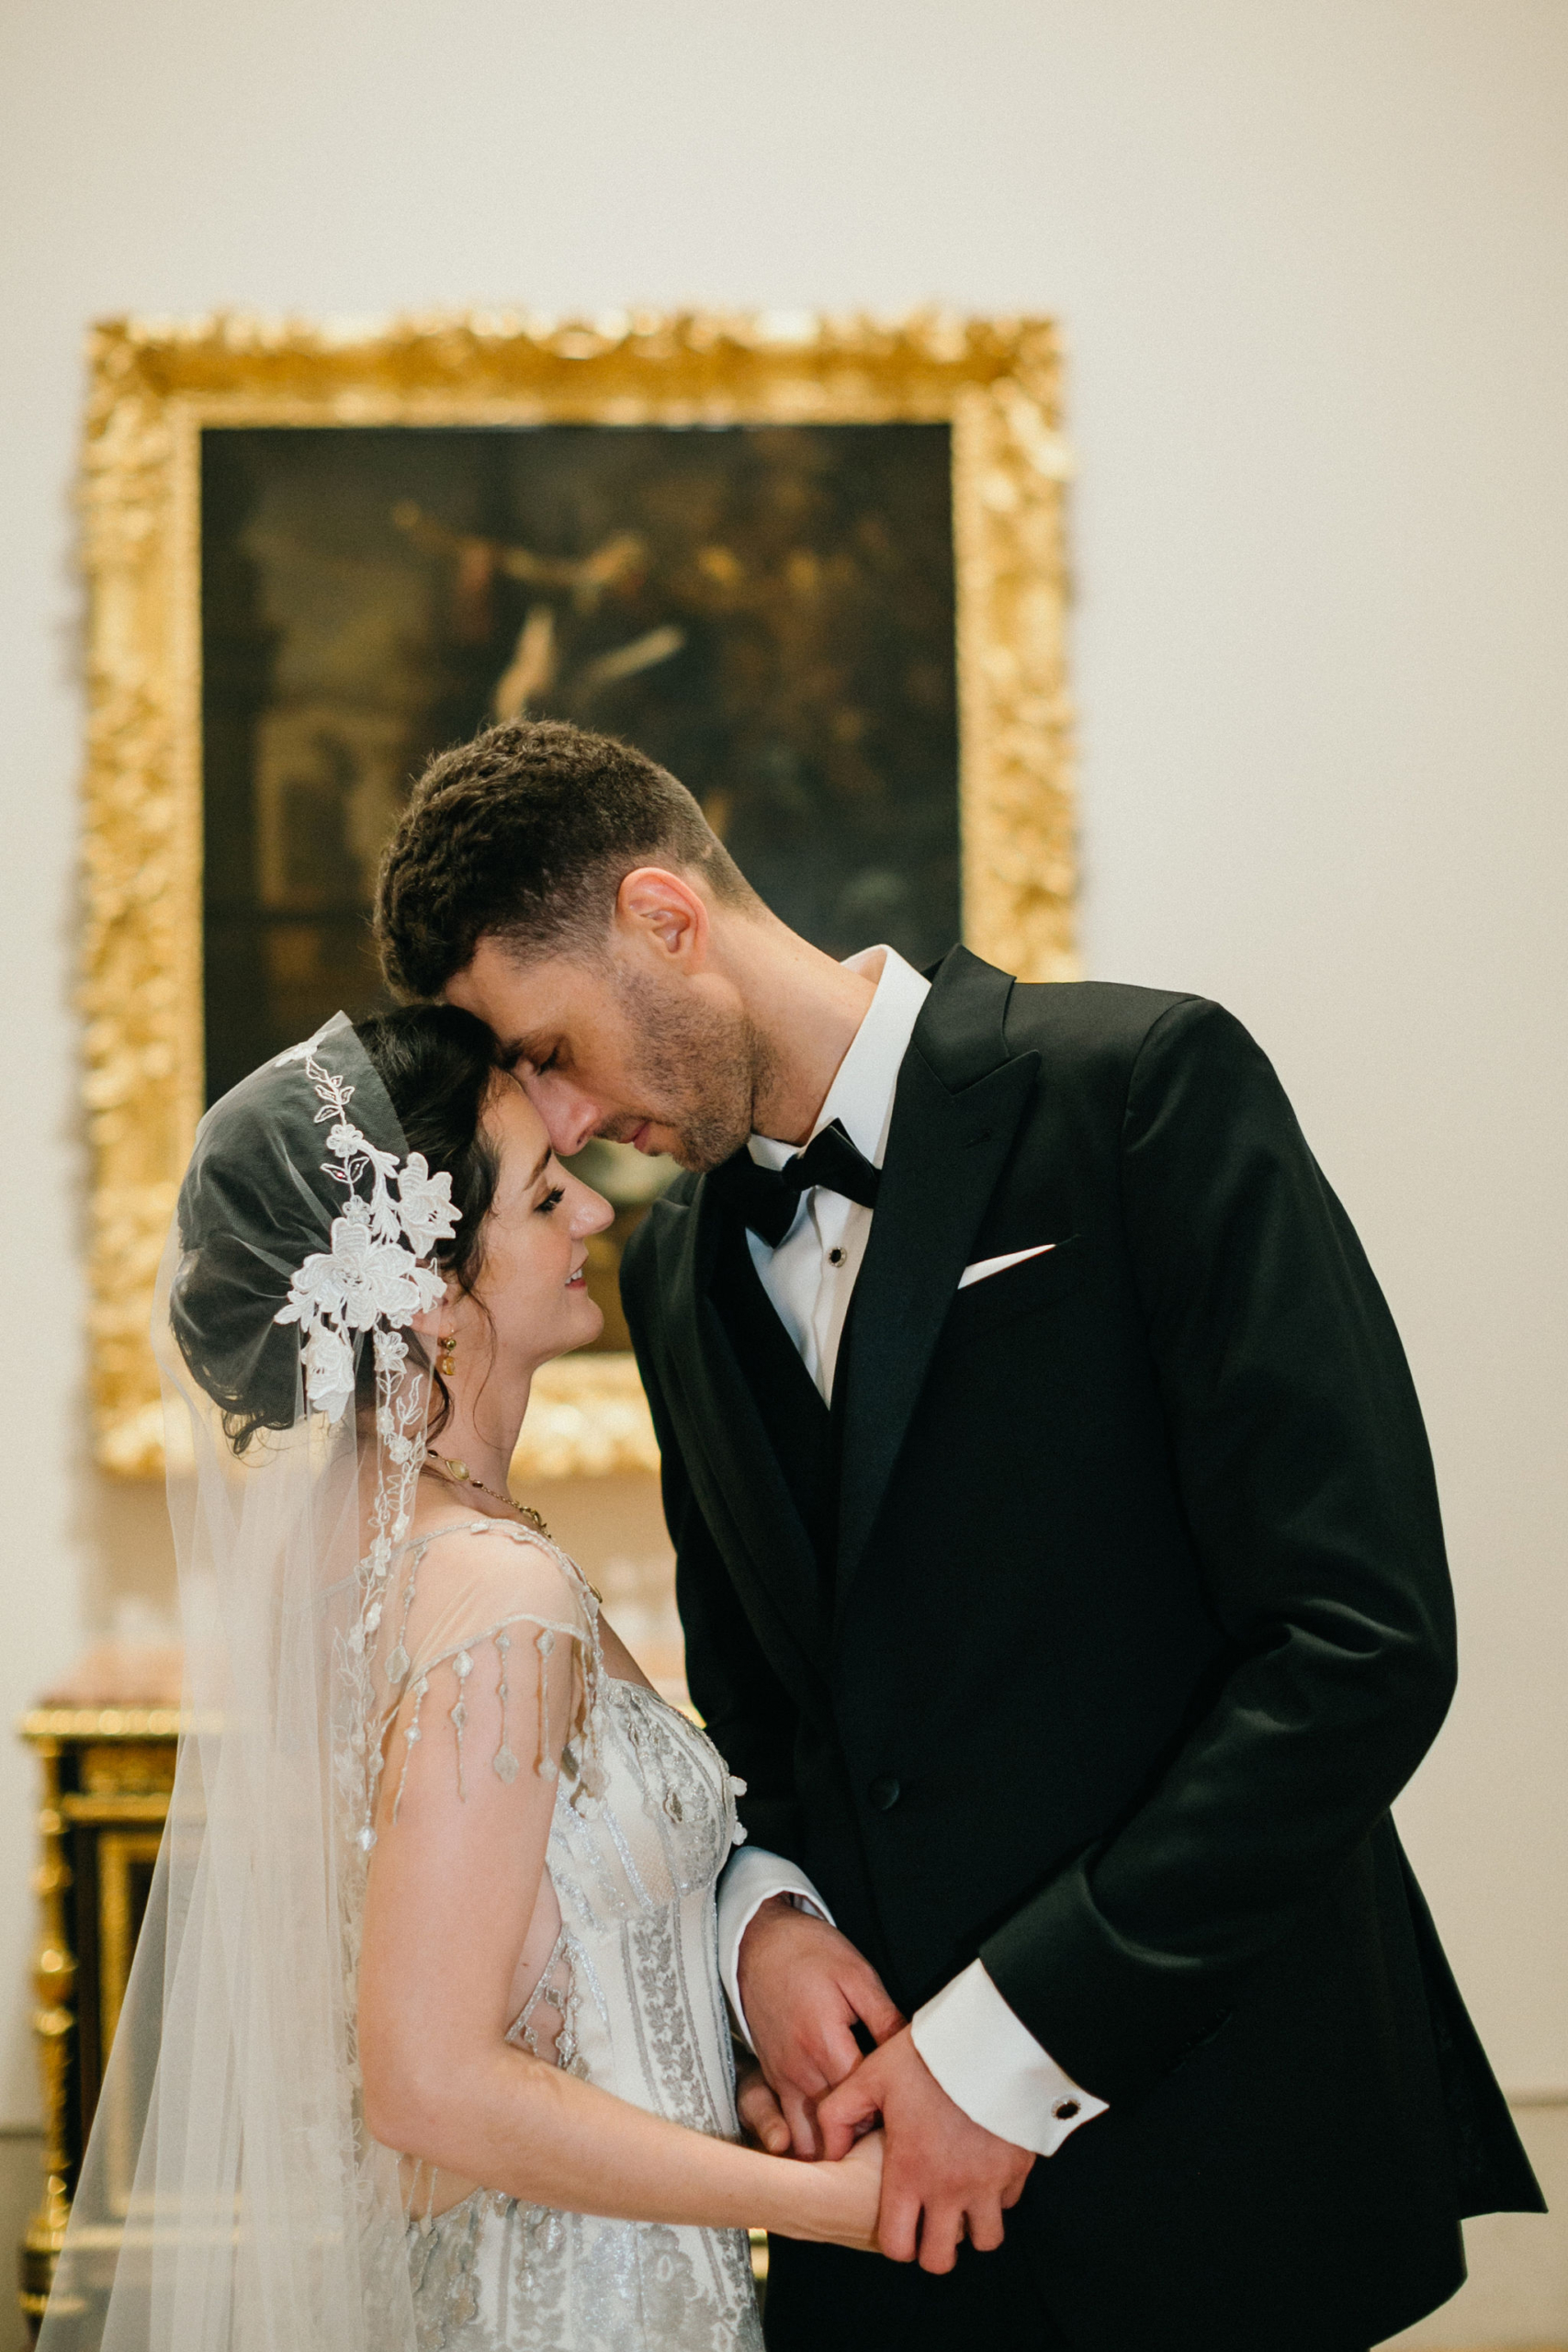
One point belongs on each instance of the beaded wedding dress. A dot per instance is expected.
(629, 1998)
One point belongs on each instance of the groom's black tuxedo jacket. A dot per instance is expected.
(1095, 1635)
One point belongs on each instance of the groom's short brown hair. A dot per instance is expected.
(526, 834)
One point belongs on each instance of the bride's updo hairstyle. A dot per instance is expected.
(437, 1065)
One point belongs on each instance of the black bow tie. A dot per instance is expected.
(767, 1198)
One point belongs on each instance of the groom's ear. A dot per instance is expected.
(665, 915)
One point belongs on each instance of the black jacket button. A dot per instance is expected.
(885, 1792)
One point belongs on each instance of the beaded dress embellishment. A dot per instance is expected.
(629, 1998)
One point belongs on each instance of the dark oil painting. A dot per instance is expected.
(767, 611)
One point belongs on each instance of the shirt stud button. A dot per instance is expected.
(1065, 2109)
(885, 1792)
(835, 1257)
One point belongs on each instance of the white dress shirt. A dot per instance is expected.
(983, 2055)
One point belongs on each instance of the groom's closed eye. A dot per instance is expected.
(521, 1050)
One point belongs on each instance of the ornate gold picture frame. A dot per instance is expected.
(156, 387)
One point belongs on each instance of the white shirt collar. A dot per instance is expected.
(863, 1086)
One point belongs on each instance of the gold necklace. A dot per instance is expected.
(457, 1474)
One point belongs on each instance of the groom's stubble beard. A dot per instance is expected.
(701, 1072)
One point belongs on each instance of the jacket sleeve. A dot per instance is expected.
(1303, 1472)
(745, 1709)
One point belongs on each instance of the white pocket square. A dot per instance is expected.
(984, 1266)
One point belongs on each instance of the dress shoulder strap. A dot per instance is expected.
(442, 1638)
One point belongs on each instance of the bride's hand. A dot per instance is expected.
(839, 2200)
(862, 2176)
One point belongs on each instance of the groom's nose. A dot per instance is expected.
(571, 1117)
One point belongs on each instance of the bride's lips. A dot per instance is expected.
(577, 1279)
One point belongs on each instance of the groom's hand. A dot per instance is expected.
(803, 1986)
(943, 2177)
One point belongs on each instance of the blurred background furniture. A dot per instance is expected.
(105, 1742)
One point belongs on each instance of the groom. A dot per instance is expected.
(1060, 1567)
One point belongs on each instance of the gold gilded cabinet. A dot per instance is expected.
(107, 1775)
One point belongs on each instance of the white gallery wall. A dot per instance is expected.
(1310, 263)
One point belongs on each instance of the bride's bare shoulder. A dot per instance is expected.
(465, 1565)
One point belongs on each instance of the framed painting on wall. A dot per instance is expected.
(814, 567)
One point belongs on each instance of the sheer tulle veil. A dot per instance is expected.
(229, 2197)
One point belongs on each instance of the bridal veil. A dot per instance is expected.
(231, 2200)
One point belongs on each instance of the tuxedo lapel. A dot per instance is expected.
(958, 1104)
(725, 1444)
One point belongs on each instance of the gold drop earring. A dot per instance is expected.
(446, 1347)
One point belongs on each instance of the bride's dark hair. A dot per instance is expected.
(437, 1065)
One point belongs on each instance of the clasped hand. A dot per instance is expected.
(804, 1986)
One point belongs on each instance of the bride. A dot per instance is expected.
(425, 2045)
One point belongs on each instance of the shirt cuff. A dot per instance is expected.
(751, 1878)
(990, 2064)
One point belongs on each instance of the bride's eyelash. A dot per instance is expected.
(552, 1199)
